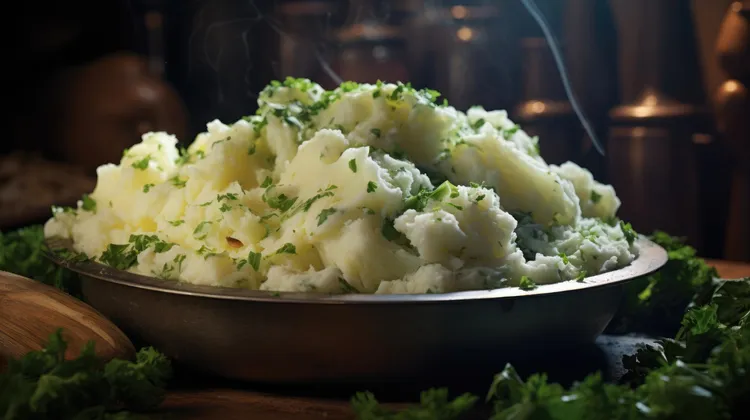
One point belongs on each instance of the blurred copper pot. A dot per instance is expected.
(104, 107)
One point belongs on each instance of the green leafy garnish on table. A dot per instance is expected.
(43, 385)
(22, 253)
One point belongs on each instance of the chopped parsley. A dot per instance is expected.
(266, 182)
(280, 202)
(595, 197)
(225, 207)
(371, 187)
(287, 248)
(142, 164)
(88, 204)
(564, 258)
(227, 196)
(201, 231)
(147, 187)
(176, 222)
(509, 132)
(526, 284)
(323, 215)
(177, 182)
(124, 256)
(478, 124)
(253, 260)
(353, 165)
(629, 232)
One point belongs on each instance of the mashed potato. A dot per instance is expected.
(363, 189)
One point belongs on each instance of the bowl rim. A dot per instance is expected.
(651, 257)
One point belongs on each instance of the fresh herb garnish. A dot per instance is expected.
(595, 197)
(88, 203)
(177, 182)
(253, 260)
(147, 187)
(323, 215)
(44, 384)
(627, 230)
(526, 284)
(371, 187)
(201, 231)
(287, 248)
(141, 164)
(353, 165)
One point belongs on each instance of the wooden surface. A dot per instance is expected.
(225, 403)
(30, 311)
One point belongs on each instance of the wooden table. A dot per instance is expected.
(230, 402)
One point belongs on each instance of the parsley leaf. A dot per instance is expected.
(142, 164)
(371, 187)
(526, 283)
(323, 215)
(88, 204)
(45, 382)
(287, 248)
(353, 165)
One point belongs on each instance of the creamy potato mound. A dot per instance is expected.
(363, 189)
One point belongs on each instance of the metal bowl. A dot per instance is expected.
(303, 338)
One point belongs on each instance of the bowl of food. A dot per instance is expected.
(363, 233)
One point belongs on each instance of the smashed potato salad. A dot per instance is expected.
(363, 189)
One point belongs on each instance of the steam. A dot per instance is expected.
(544, 26)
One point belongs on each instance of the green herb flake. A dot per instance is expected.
(177, 182)
(176, 222)
(201, 231)
(595, 197)
(353, 165)
(324, 214)
(287, 248)
(526, 284)
(88, 203)
(227, 196)
(253, 260)
(629, 232)
(147, 187)
(141, 164)
(371, 187)
(478, 124)
(267, 182)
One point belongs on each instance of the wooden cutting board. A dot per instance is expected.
(30, 311)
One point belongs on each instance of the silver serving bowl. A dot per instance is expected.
(301, 337)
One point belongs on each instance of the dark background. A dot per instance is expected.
(88, 77)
